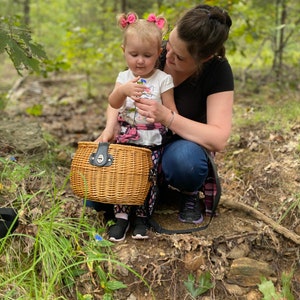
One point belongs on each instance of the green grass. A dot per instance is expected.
(273, 112)
(52, 255)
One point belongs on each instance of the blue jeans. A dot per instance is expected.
(185, 165)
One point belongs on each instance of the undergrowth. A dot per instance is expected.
(57, 256)
(51, 255)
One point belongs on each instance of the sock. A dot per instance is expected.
(121, 216)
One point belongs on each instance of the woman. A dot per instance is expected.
(195, 57)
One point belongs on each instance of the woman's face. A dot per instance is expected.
(178, 57)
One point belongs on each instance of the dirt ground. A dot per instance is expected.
(260, 175)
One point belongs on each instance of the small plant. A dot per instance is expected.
(108, 284)
(12, 174)
(203, 285)
(35, 110)
(291, 206)
(267, 288)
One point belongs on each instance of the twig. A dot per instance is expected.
(260, 216)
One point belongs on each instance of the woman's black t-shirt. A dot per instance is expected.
(191, 95)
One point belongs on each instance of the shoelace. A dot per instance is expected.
(191, 202)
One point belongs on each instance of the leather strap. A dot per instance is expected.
(101, 158)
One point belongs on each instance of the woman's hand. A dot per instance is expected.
(153, 111)
(213, 135)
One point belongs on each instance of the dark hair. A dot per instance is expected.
(204, 29)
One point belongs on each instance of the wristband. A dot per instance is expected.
(171, 119)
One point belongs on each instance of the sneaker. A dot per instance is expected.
(190, 211)
(117, 232)
(140, 229)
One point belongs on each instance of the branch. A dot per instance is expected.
(260, 216)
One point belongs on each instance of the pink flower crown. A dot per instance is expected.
(131, 18)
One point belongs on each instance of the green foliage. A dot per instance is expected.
(82, 36)
(36, 110)
(108, 283)
(198, 288)
(3, 101)
(255, 37)
(269, 292)
(52, 252)
(16, 41)
(83, 52)
(11, 175)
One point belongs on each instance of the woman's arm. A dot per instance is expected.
(213, 135)
(168, 100)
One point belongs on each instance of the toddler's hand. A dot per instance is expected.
(134, 89)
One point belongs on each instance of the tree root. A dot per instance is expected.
(260, 216)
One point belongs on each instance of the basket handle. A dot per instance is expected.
(101, 158)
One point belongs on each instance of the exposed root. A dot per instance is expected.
(260, 216)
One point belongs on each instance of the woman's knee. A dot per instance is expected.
(184, 164)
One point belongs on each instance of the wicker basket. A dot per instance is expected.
(111, 173)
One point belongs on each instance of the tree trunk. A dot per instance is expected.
(123, 6)
(281, 38)
(26, 8)
(279, 44)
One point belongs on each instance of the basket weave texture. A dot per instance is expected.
(125, 181)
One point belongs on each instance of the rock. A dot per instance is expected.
(247, 272)
(22, 137)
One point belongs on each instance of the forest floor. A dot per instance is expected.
(260, 178)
